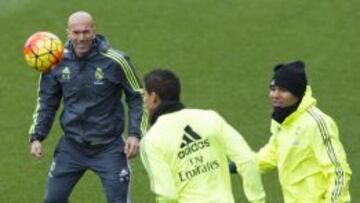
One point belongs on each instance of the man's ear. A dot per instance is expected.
(155, 98)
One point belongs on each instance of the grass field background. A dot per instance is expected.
(223, 51)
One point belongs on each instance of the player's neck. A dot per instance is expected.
(164, 108)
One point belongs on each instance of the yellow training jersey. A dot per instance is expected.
(309, 156)
(186, 156)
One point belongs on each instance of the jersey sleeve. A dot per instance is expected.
(134, 98)
(161, 181)
(48, 101)
(331, 156)
(238, 151)
(267, 156)
(133, 89)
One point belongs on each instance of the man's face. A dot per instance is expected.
(281, 97)
(151, 101)
(81, 33)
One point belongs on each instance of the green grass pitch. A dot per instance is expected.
(223, 51)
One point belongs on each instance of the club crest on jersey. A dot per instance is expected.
(66, 74)
(99, 76)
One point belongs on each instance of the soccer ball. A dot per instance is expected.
(43, 50)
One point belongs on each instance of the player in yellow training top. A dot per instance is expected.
(186, 151)
(305, 145)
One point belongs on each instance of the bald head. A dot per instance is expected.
(80, 17)
(81, 32)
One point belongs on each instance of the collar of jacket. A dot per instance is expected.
(307, 102)
(280, 113)
(164, 108)
(100, 44)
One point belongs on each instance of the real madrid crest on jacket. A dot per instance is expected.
(88, 86)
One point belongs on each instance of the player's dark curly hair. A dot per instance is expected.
(164, 83)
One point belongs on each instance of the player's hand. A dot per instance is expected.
(36, 149)
(131, 147)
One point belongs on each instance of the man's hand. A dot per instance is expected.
(131, 147)
(36, 149)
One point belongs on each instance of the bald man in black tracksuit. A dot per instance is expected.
(90, 80)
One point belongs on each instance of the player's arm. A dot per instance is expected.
(267, 156)
(240, 153)
(134, 93)
(161, 181)
(49, 97)
(134, 98)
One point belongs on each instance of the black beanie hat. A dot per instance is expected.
(291, 77)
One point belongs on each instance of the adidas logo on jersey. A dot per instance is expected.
(189, 137)
(191, 142)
